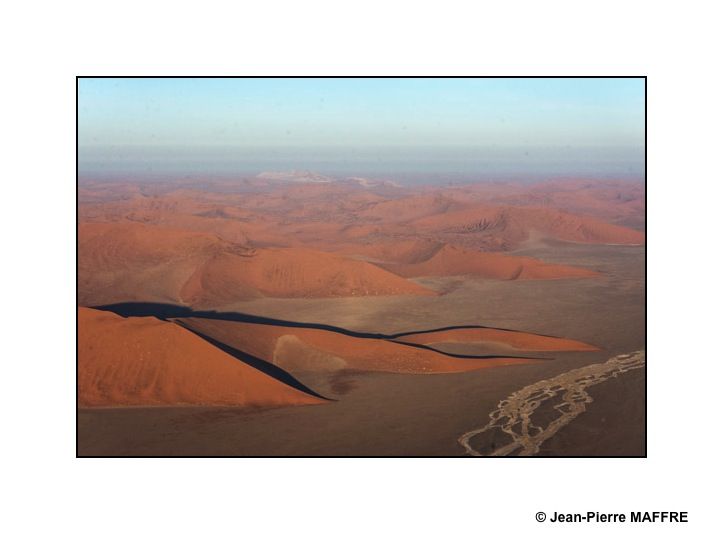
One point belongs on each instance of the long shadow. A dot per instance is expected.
(466, 356)
(172, 311)
(468, 326)
(261, 365)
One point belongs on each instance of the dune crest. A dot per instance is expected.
(323, 350)
(144, 361)
(452, 261)
(125, 261)
(523, 341)
(502, 228)
(291, 273)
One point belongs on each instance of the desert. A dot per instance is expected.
(285, 313)
(361, 266)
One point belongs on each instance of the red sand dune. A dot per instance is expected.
(212, 243)
(144, 361)
(125, 261)
(124, 242)
(309, 349)
(510, 226)
(522, 341)
(452, 261)
(409, 208)
(616, 201)
(395, 251)
(289, 273)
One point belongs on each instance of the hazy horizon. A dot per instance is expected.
(490, 128)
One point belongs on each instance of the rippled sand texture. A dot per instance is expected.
(514, 415)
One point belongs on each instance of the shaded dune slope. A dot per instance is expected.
(308, 349)
(451, 261)
(127, 261)
(309, 346)
(150, 362)
(509, 226)
(523, 341)
(290, 273)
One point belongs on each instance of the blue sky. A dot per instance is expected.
(130, 123)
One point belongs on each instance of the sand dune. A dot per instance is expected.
(310, 349)
(127, 261)
(615, 201)
(394, 251)
(522, 341)
(144, 362)
(290, 273)
(453, 261)
(125, 242)
(209, 244)
(409, 208)
(506, 227)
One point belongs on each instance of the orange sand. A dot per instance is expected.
(211, 243)
(127, 261)
(290, 273)
(518, 340)
(332, 350)
(451, 261)
(144, 361)
(514, 224)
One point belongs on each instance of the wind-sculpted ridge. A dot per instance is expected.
(514, 415)
(419, 339)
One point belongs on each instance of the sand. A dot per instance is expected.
(289, 273)
(305, 349)
(386, 414)
(454, 261)
(143, 361)
(522, 341)
(368, 256)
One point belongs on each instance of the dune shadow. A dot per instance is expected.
(176, 312)
(268, 368)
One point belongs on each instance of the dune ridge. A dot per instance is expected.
(143, 361)
(123, 261)
(321, 350)
(452, 261)
(523, 341)
(290, 273)
(212, 243)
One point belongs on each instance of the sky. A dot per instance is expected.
(488, 127)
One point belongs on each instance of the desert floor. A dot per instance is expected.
(384, 414)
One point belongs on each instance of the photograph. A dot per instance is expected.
(333, 271)
(369, 266)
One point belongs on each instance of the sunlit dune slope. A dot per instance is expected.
(506, 227)
(127, 261)
(452, 261)
(395, 251)
(126, 242)
(144, 362)
(292, 272)
(521, 341)
(409, 208)
(310, 349)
